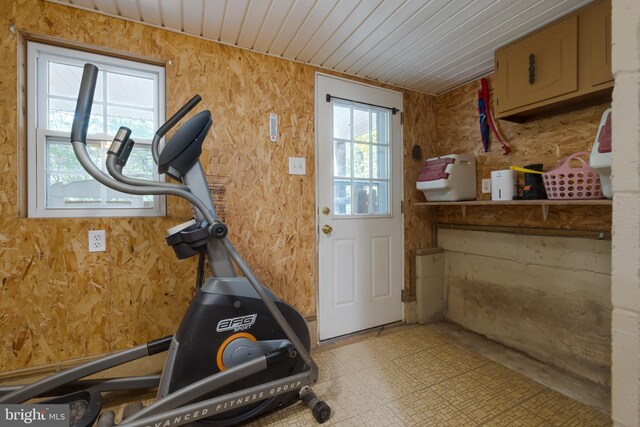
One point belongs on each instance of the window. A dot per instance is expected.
(127, 93)
(362, 160)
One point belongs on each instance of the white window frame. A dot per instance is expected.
(37, 136)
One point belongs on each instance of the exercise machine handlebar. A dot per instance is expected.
(83, 107)
(173, 120)
(79, 142)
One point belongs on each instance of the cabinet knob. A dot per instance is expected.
(532, 68)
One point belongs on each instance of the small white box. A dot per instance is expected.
(504, 185)
(448, 178)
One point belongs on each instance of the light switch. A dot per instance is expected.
(296, 166)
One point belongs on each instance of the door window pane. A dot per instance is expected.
(361, 160)
(361, 125)
(380, 123)
(341, 122)
(361, 198)
(380, 197)
(342, 159)
(342, 197)
(380, 162)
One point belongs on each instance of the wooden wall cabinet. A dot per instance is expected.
(566, 63)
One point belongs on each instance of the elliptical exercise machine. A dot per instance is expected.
(239, 351)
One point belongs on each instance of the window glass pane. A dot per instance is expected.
(140, 163)
(62, 165)
(342, 197)
(139, 121)
(64, 81)
(361, 160)
(60, 116)
(342, 159)
(341, 121)
(132, 91)
(361, 197)
(380, 198)
(69, 186)
(361, 125)
(380, 161)
(380, 122)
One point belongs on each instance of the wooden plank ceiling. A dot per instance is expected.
(429, 46)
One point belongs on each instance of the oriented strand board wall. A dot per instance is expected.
(544, 140)
(546, 296)
(57, 301)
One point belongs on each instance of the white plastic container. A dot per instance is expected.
(602, 161)
(452, 178)
(504, 185)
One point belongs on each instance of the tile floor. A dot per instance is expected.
(414, 376)
(418, 376)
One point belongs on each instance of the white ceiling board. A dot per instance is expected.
(315, 19)
(213, 18)
(150, 11)
(326, 30)
(349, 24)
(129, 9)
(455, 54)
(398, 26)
(193, 16)
(272, 25)
(470, 29)
(463, 73)
(436, 25)
(171, 13)
(106, 6)
(87, 4)
(373, 23)
(234, 21)
(291, 26)
(425, 45)
(253, 22)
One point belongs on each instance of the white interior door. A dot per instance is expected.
(359, 195)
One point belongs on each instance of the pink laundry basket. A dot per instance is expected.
(568, 182)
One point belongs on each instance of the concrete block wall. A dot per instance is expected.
(626, 214)
(430, 292)
(546, 296)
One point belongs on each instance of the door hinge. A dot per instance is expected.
(401, 206)
(401, 118)
(402, 295)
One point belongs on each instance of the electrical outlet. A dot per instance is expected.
(486, 185)
(296, 166)
(97, 241)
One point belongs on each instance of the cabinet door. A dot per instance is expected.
(600, 33)
(539, 67)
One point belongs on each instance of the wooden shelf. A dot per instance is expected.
(543, 203)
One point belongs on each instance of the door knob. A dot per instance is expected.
(327, 229)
